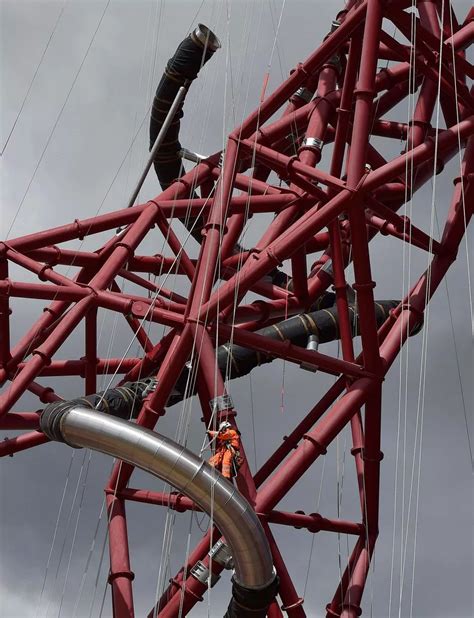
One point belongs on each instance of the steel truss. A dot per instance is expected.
(357, 198)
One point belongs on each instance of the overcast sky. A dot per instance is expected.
(88, 142)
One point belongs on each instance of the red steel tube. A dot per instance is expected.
(120, 576)
(20, 420)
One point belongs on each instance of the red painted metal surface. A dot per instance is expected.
(333, 214)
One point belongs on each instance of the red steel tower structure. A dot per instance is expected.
(338, 99)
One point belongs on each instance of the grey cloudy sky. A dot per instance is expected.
(109, 101)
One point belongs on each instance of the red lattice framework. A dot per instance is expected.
(333, 213)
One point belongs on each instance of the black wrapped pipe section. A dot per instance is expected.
(323, 324)
(192, 53)
(246, 603)
(122, 401)
(237, 361)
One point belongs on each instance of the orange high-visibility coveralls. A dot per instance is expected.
(228, 445)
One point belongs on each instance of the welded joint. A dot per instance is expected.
(41, 273)
(294, 605)
(351, 607)
(5, 287)
(7, 439)
(360, 450)
(294, 444)
(300, 69)
(362, 287)
(81, 230)
(264, 309)
(365, 93)
(44, 355)
(130, 575)
(44, 396)
(127, 247)
(92, 290)
(201, 572)
(463, 178)
(54, 261)
(313, 527)
(320, 447)
(214, 225)
(149, 411)
(274, 259)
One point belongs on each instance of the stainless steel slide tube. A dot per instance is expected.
(171, 462)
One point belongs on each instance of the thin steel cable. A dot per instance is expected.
(32, 81)
(74, 537)
(89, 559)
(58, 118)
(110, 341)
(124, 356)
(185, 571)
(406, 255)
(463, 196)
(314, 535)
(69, 519)
(423, 361)
(53, 541)
(456, 355)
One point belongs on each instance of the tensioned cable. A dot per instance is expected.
(58, 118)
(71, 511)
(314, 535)
(142, 321)
(76, 527)
(56, 526)
(139, 91)
(246, 215)
(212, 419)
(463, 198)
(38, 66)
(185, 415)
(423, 361)
(409, 170)
(115, 322)
(181, 433)
(111, 340)
(89, 559)
(275, 30)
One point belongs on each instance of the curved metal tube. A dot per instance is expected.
(171, 462)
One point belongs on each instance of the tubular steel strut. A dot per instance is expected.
(333, 214)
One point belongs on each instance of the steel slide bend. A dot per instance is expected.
(78, 426)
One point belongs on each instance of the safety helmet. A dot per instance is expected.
(224, 425)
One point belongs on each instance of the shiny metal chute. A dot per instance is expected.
(173, 463)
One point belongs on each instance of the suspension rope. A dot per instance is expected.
(38, 66)
(58, 118)
(417, 455)
(404, 351)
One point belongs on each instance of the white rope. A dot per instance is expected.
(53, 541)
(423, 361)
(404, 352)
(32, 81)
(58, 118)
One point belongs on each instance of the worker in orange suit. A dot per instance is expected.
(227, 456)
